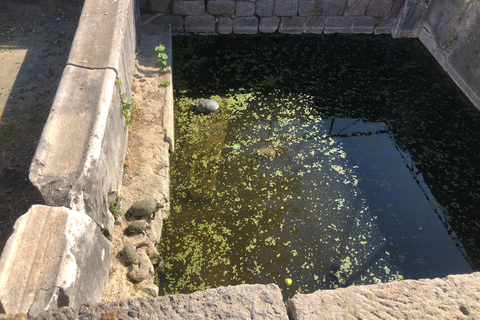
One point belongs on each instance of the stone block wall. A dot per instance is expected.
(282, 16)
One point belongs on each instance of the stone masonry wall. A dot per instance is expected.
(451, 32)
(283, 16)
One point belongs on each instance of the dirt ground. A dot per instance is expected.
(35, 40)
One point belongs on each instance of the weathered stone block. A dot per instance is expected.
(384, 26)
(225, 25)
(264, 8)
(292, 25)
(203, 23)
(247, 25)
(188, 8)
(175, 21)
(379, 8)
(406, 24)
(106, 38)
(285, 8)
(338, 25)
(315, 25)
(221, 7)
(55, 257)
(333, 7)
(364, 24)
(453, 297)
(255, 301)
(245, 9)
(161, 5)
(356, 7)
(268, 24)
(309, 8)
(79, 159)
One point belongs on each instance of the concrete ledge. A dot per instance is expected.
(453, 297)
(79, 159)
(262, 302)
(55, 257)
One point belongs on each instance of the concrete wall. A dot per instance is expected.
(450, 29)
(58, 254)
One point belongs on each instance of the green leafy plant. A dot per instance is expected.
(451, 41)
(161, 58)
(165, 83)
(127, 106)
(115, 207)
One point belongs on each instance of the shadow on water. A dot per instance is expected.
(373, 178)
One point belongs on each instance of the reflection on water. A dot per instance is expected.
(280, 183)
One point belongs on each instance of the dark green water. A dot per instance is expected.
(374, 177)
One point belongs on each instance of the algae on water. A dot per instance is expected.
(320, 165)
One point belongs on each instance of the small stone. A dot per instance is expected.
(129, 254)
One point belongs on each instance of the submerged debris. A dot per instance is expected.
(267, 152)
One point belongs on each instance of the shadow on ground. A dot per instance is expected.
(35, 40)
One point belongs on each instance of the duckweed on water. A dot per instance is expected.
(321, 165)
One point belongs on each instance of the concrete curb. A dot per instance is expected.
(260, 302)
(452, 297)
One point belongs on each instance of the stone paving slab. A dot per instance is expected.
(452, 297)
(262, 302)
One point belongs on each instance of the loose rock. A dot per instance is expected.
(142, 269)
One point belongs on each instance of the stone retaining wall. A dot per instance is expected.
(451, 32)
(58, 254)
(283, 16)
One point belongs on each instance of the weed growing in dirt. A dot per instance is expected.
(127, 106)
(165, 83)
(115, 207)
(162, 58)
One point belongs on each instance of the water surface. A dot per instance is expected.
(371, 172)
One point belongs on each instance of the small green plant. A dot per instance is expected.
(451, 41)
(115, 207)
(317, 13)
(161, 58)
(165, 83)
(127, 106)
